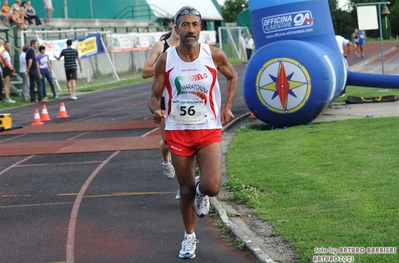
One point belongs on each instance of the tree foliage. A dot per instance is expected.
(232, 8)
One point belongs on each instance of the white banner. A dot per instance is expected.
(367, 17)
(144, 41)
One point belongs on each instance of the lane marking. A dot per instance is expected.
(117, 194)
(15, 137)
(33, 205)
(70, 253)
(53, 164)
(14, 195)
(15, 164)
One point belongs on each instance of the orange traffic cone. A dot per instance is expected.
(252, 116)
(63, 113)
(45, 116)
(36, 120)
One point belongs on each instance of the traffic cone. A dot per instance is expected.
(63, 113)
(252, 116)
(45, 116)
(36, 120)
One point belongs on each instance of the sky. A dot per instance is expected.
(340, 4)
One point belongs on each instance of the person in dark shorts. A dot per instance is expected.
(70, 56)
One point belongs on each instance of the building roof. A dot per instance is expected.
(167, 9)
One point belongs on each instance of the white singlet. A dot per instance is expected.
(192, 96)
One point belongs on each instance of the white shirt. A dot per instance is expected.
(22, 62)
(6, 57)
(48, 4)
(249, 43)
(341, 41)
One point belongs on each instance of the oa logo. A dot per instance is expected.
(283, 85)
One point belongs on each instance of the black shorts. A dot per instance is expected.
(7, 72)
(71, 74)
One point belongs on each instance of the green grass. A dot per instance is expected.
(327, 185)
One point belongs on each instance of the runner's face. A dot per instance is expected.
(189, 29)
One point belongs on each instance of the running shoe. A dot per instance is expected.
(188, 247)
(177, 197)
(201, 201)
(9, 101)
(168, 170)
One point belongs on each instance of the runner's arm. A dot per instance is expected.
(221, 62)
(149, 64)
(157, 90)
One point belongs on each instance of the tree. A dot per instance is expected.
(232, 8)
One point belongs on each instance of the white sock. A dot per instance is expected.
(197, 189)
(192, 235)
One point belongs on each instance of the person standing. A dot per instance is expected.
(70, 56)
(44, 65)
(343, 42)
(49, 9)
(249, 46)
(1, 71)
(34, 73)
(243, 52)
(194, 116)
(8, 71)
(170, 39)
(22, 73)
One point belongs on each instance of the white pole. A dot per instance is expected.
(66, 9)
(112, 64)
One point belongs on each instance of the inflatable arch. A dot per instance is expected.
(297, 69)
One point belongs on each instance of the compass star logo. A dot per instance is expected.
(283, 85)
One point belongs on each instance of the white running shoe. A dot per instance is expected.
(168, 170)
(178, 194)
(188, 247)
(9, 101)
(201, 201)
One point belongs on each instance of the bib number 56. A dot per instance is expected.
(184, 110)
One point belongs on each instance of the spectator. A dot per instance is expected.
(22, 73)
(1, 71)
(34, 73)
(341, 41)
(70, 56)
(30, 13)
(243, 52)
(21, 12)
(15, 19)
(8, 71)
(44, 65)
(6, 11)
(249, 46)
(49, 9)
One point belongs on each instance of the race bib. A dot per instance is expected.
(187, 111)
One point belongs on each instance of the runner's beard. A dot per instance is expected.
(189, 42)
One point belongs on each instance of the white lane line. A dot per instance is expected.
(70, 253)
(15, 164)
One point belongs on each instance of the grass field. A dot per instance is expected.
(327, 185)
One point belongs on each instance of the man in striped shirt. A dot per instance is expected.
(70, 55)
